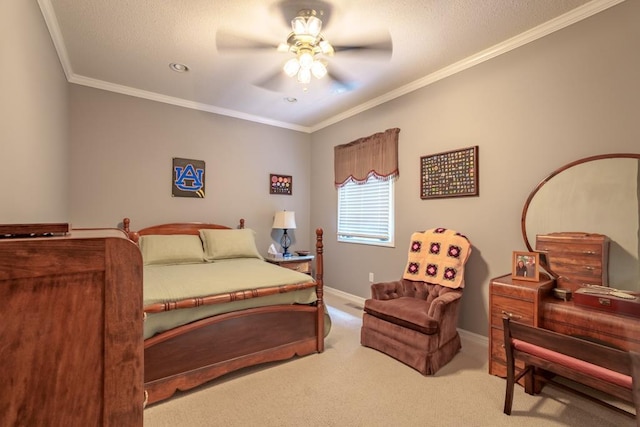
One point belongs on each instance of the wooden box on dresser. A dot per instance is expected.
(71, 348)
(521, 301)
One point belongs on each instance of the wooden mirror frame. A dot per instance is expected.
(558, 171)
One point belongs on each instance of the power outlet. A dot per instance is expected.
(371, 277)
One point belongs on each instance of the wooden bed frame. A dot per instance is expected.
(195, 353)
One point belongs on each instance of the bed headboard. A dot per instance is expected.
(173, 228)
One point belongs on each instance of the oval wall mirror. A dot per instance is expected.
(596, 194)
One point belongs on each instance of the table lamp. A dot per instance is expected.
(285, 220)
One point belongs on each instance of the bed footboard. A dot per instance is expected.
(225, 343)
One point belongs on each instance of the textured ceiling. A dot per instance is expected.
(126, 46)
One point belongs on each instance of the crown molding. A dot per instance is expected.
(563, 21)
(585, 11)
(51, 21)
(153, 96)
(58, 41)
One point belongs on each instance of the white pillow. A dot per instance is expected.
(224, 244)
(171, 249)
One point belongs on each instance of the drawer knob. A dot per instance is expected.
(588, 267)
(589, 252)
(511, 315)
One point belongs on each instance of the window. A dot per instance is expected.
(365, 212)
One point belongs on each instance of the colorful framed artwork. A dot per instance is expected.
(280, 184)
(449, 174)
(526, 266)
(188, 178)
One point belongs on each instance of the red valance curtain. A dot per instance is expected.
(375, 155)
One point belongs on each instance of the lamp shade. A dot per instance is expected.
(285, 220)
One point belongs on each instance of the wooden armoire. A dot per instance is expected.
(71, 348)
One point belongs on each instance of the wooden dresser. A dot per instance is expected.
(617, 330)
(532, 303)
(71, 346)
(582, 258)
(521, 301)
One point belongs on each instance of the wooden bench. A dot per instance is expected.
(609, 370)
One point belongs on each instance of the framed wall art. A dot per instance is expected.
(526, 266)
(188, 178)
(449, 174)
(280, 184)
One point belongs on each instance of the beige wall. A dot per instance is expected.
(572, 94)
(33, 119)
(121, 166)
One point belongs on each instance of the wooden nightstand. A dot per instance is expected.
(297, 263)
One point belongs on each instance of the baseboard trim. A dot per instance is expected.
(474, 338)
(344, 295)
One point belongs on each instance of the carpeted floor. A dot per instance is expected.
(351, 385)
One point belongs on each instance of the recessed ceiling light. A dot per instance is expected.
(178, 68)
(291, 99)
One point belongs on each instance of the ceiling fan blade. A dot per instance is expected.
(339, 83)
(381, 49)
(275, 82)
(229, 42)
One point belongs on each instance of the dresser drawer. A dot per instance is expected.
(302, 267)
(568, 251)
(526, 291)
(581, 272)
(498, 364)
(520, 310)
(301, 264)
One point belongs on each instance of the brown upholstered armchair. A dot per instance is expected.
(414, 320)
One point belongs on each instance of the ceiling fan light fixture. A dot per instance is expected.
(306, 23)
(291, 67)
(299, 25)
(306, 59)
(307, 44)
(304, 76)
(326, 48)
(314, 25)
(318, 69)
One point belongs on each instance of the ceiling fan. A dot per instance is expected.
(309, 50)
(308, 45)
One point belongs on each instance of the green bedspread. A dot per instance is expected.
(167, 283)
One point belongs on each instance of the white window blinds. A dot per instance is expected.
(365, 212)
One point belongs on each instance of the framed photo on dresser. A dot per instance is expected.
(526, 266)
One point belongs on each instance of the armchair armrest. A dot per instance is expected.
(442, 304)
(387, 290)
(445, 310)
